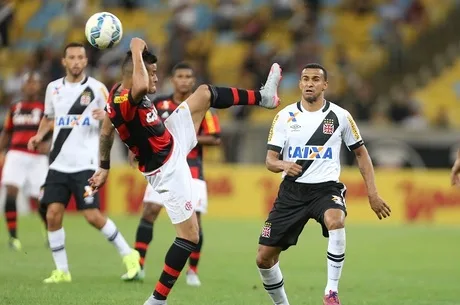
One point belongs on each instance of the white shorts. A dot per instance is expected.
(151, 196)
(173, 180)
(26, 171)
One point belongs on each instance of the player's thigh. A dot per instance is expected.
(199, 103)
(284, 224)
(201, 191)
(14, 171)
(55, 189)
(329, 209)
(37, 175)
(152, 204)
(181, 126)
(80, 190)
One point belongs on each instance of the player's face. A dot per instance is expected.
(312, 84)
(153, 79)
(183, 81)
(31, 87)
(75, 61)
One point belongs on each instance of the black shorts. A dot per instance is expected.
(60, 186)
(295, 205)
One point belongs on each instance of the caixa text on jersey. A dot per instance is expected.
(310, 152)
(70, 121)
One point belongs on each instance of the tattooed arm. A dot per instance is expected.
(105, 146)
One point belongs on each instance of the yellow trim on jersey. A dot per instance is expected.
(210, 122)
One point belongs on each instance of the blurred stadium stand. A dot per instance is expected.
(372, 50)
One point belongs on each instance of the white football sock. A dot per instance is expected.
(335, 259)
(274, 284)
(56, 241)
(110, 231)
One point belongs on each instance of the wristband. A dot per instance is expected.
(105, 164)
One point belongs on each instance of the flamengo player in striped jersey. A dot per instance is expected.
(73, 109)
(308, 135)
(183, 81)
(23, 170)
(162, 148)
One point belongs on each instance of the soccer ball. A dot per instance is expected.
(103, 30)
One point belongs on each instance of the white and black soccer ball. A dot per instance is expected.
(103, 30)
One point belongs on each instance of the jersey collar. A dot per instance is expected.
(81, 83)
(325, 107)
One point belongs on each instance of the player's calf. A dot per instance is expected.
(270, 273)
(334, 220)
(207, 96)
(11, 216)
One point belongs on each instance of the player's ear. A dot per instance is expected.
(63, 63)
(300, 85)
(325, 85)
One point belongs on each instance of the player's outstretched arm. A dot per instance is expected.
(140, 75)
(455, 174)
(381, 209)
(105, 146)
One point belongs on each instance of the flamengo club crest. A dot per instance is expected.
(328, 126)
(266, 230)
(85, 98)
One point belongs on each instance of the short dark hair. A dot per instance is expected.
(316, 66)
(72, 45)
(148, 58)
(181, 65)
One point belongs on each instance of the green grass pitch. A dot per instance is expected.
(407, 265)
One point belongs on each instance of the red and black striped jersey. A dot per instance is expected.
(209, 126)
(140, 128)
(22, 122)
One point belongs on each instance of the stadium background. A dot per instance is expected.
(394, 64)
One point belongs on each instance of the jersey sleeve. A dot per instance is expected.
(277, 135)
(210, 124)
(350, 134)
(122, 102)
(8, 124)
(49, 107)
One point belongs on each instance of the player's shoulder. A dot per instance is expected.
(56, 83)
(338, 110)
(291, 108)
(91, 81)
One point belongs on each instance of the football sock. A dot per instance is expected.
(175, 260)
(225, 97)
(144, 236)
(195, 255)
(335, 259)
(57, 240)
(274, 284)
(110, 231)
(11, 215)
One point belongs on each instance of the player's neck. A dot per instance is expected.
(313, 106)
(73, 79)
(180, 97)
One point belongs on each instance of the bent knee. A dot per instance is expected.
(266, 259)
(203, 91)
(151, 211)
(335, 223)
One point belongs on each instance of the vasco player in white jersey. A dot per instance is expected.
(308, 135)
(162, 148)
(73, 109)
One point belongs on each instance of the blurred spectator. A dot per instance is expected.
(226, 13)
(416, 15)
(282, 9)
(6, 18)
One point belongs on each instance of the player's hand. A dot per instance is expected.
(98, 114)
(137, 44)
(380, 208)
(33, 142)
(455, 174)
(292, 169)
(98, 179)
(132, 159)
